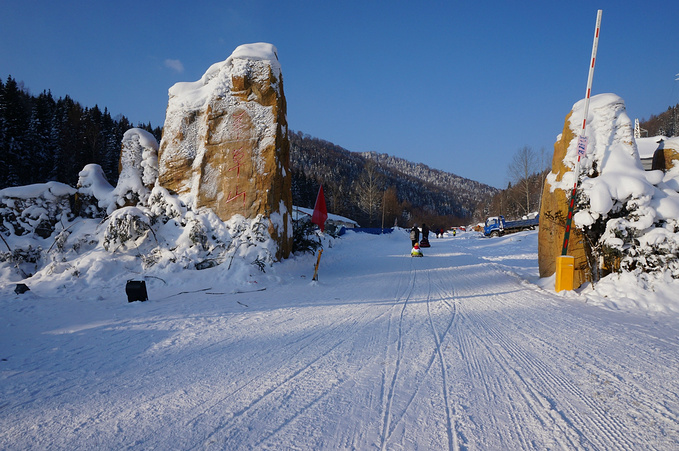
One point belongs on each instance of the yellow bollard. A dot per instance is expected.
(565, 269)
(318, 261)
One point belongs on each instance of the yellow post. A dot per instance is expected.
(565, 269)
(318, 261)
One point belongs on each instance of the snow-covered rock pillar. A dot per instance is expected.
(138, 168)
(611, 148)
(225, 142)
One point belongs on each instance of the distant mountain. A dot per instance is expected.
(468, 192)
(421, 193)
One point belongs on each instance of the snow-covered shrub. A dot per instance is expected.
(125, 226)
(655, 251)
(60, 241)
(251, 238)
(305, 237)
(139, 168)
(637, 229)
(164, 206)
(24, 260)
(197, 234)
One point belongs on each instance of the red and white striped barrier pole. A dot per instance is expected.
(582, 139)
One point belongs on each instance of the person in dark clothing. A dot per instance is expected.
(425, 232)
(414, 235)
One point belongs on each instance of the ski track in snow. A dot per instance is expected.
(450, 351)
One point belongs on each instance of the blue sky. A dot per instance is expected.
(459, 86)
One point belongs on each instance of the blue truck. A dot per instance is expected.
(497, 226)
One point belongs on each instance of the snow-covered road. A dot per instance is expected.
(460, 349)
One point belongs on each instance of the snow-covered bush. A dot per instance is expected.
(168, 233)
(633, 226)
(165, 206)
(125, 226)
(252, 238)
(25, 261)
(655, 251)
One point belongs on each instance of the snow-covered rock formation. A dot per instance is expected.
(138, 175)
(218, 192)
(626, 218)
(138, 166)
(225, 143)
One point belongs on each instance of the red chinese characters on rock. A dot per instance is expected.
(240, 126)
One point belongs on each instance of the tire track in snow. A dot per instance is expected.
(442, 296)
(475, 368)
(158, 398)
(501, 382)
(481, 354)
(450, 426)
(596, 366)
(388, 388)
(236, 418)
(534, 381)
(317, 340)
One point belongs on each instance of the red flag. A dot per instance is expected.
(320, 210)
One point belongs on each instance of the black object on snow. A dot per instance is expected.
(21, 288)
(136, 291)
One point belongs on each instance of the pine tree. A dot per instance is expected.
(3, 137)
(39, 146)
(16, 112)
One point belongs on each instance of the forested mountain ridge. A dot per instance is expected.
(468, 192)
(377, 189)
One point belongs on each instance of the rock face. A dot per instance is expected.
(610, 148)
(225, 142)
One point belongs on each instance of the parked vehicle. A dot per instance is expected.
(497, 226)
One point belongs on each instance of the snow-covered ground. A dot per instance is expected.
(462, 349)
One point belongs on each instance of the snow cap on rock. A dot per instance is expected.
(196, 94)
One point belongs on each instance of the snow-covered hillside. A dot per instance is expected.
(462, 349)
